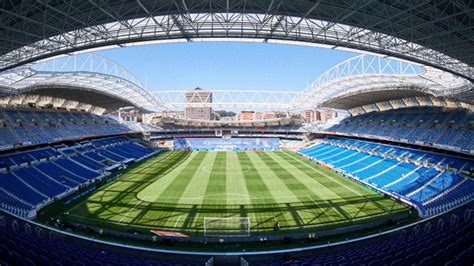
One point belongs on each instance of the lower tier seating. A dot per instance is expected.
(30, 179)
(423, 178)
(19, 246)
(447, 240)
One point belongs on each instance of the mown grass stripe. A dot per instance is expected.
(268, 198)
(124, 190)
(282, 194)
(307, 198)
(170, 187)
(186, 188)
(346, 205)
(215, 193)
(236, 187)
(376, 203)
(258, 190)
(122, 193)
(196, 189)
(140, 209)
(262, 212)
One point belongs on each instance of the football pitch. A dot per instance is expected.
(231, 193)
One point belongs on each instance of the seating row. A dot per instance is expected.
(414, 175)
(30, 179)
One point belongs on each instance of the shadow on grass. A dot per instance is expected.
(121, 209)
(339, 211)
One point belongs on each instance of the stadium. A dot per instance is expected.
(371, 164)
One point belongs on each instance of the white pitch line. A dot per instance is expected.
(113, 222)
(228, 195)
(125, 216)
(342, 185)
(324, 211)
(176, 224)
(334, 179)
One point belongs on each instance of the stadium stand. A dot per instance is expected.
(31, 179)
(33, 126)
(226, 144)
(426, 125)
(22, 243)
(431, 181)
(20, 190)
(170, 131)
(409, 91)
(446, 240)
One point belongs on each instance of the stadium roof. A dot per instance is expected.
(368, 79)
(360, 80)
(434, 33)
(87, 78)
(436, 36)
(78, 94)
(359, 98)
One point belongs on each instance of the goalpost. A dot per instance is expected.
(227, 226)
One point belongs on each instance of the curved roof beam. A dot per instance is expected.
(437, 34)
(235, 99)
(367, 72)
(88, 71)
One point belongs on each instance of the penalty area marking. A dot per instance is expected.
(125, 216)
(121, 223)
(156, 199)
(176, 224)
(342, 185)
(324, 210)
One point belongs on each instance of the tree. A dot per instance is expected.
(224, 113)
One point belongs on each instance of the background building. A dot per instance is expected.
(327, 115)
(311, 116)
(128, 114)
(172, 114)
(246, 115)
(195, 97)
(249, 115)
(314, 116)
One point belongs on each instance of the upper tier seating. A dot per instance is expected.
(31, 178)
(434, 125)
(38, 127)
(434, 182)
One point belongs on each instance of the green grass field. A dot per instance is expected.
(179, 191)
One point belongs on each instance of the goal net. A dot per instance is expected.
(226, 226)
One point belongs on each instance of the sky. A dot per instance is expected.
(227, 65)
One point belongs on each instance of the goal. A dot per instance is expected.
(227, 226)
